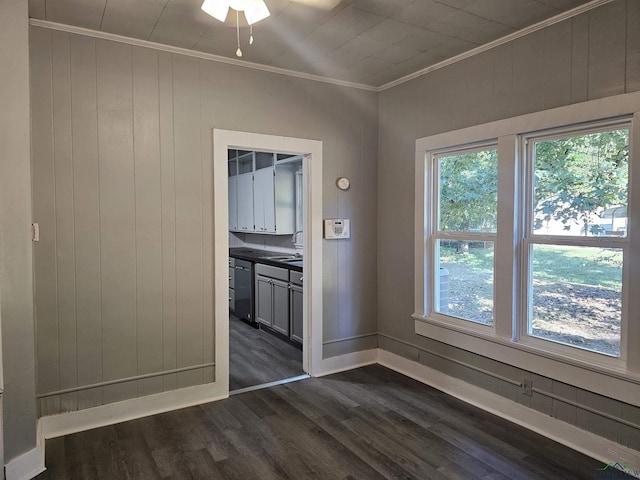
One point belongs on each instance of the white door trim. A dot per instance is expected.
(312, 296)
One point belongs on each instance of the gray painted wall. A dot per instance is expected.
(122, 192)
(16, 286)
(594, 55)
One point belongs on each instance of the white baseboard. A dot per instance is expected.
(66, 423)
(585, 442)
(27, 465)
(345, 362)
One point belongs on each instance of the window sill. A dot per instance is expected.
(611, 381)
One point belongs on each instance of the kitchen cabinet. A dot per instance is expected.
(274, 200)
(295, 307)
(233, 189)
(262, 192)
(244, 196)
(232, 284)
(264, 211)
(272, 297)
(233, 203)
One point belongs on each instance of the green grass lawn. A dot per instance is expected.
(575, 293)
(582, 265)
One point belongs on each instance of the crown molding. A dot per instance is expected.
(194, 53)
(500, 41)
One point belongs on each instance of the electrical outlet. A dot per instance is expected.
(527, 387)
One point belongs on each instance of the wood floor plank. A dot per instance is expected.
(368, 423)
(257, 357)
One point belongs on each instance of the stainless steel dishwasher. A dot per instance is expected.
(244, 290)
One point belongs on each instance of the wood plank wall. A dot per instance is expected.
(593, 55)
(123, 268)
(122, 189)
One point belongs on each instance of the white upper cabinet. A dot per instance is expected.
(245, 202)
(264, 211)
(233, 191)
(264, 193)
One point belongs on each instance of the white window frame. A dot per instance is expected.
(618, 378)
(529, 239)
(434, 234)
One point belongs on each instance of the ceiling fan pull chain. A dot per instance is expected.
(238, 51)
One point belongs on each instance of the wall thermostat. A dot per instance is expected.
(336, 228)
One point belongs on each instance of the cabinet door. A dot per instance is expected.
(233, 203)
(245, 202)
(264, 300)
(296, 313)
(264, 200)
(280, 306)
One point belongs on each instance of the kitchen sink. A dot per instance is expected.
(284, 258)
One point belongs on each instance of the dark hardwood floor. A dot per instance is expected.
(369, 423)
(257, 357)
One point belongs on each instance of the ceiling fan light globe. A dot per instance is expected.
(218, 9)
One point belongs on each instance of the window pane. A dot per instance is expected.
(580, 185)
(464, 280)
(468, 191)
(576, 296)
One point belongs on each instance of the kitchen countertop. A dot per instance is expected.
(258, 256)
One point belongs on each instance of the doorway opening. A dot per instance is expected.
(266, 280)
(299, 161)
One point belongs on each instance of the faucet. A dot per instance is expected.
(294, 237)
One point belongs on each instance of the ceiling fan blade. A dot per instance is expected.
(320, 4)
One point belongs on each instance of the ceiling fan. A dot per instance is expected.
(254, 11)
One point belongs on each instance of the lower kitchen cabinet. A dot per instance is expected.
(295, 307)
(278, 300)
(272, 297)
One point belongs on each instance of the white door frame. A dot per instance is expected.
(312, 204)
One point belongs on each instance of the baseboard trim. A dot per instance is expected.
(330, 365)
(66, 423)
(27, 465)
(580, 440)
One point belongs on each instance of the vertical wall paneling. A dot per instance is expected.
(633, 46)
(138, 206)
(579, 58)
(64, 215)
(117, 217)
(43, 185)
(502, 78)
(188, 191)
(206, 155)
(528, 65)
(86, 197)
(168, 219)
(146, 142)
(607, 50)
(593, 55)
(18, 356)
(556, 66)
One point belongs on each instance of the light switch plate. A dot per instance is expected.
(337, 228)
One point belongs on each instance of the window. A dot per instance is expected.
(462, 244)
(576, 236)
(529, 233)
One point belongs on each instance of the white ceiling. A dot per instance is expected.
(371, 42)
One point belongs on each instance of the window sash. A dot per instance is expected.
(434, 235)
(530, 239)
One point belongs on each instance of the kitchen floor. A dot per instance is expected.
(257, 357)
